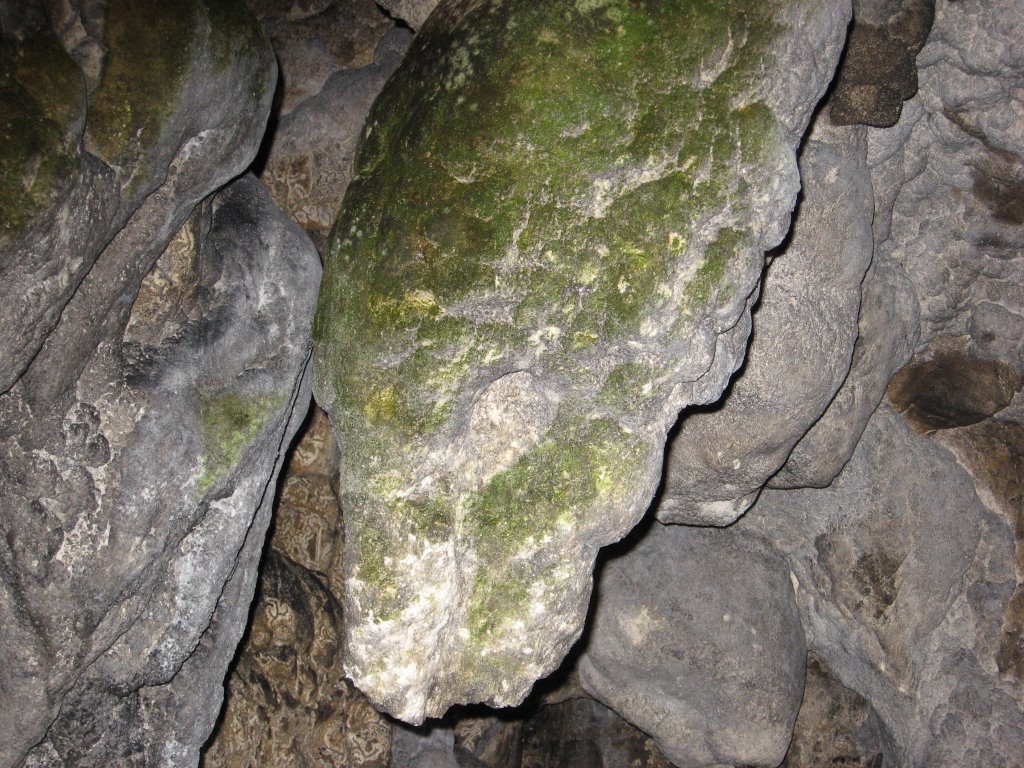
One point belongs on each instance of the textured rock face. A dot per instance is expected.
(315, 39)
(696, 639)
(146, 406)
(804, 332)
(412, 12)
(835, 725)
(585, 199)
(309, 164)
(902, 579)
(288, 702)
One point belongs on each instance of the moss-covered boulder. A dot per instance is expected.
(551, 246)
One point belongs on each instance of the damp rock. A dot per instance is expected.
(550, 247)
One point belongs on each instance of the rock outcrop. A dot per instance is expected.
(525, 285)
(696, 639)
(156, 340)
(805, 327)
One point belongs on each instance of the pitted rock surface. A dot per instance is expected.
(525, 285)
(904, 580)
(288, 702)
(146, 406)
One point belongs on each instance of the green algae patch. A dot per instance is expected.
(558, 192)
(235, 34)
(229, 423)
(720, 252)
(150, 44)
(41, 96)
(579, 465)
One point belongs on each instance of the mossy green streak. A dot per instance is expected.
(558, 175)
(150, 46)
(41, 94)
(230, 422)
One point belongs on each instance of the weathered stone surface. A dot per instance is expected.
(314, 39)
(309, 161)
(991, 452)
(136, 501)
(157, 117)
(950, 389)
(835, 725)
(288, 702)
(887, 332)
(950, 179)
(584, 205)
(307, 519)
(107, 586)
(495, 741)
(800, 352)
(696, 639)
(947, 231)
(902, 577)
(431, 746)
(583, 733)
(412, 12)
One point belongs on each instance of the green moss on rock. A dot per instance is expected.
(545, 188)
(230, 422)
(41, 96)
(150, 44)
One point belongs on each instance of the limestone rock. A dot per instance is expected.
(125, 458)
(902, 578)
(800, 353)
(878, 72)
(314, 39)
(306, 526)
(583, 733)
(131, 172)
(288, 702)
(431, 746)
(696, 639)
(137, 464)
(494, 741)
(309, 161)
(584, 200)
(947, 181)
(887, 331)
(412, 12)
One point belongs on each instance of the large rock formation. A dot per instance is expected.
(550, 247)
(684, 645)
(155, 343)
(805, 327)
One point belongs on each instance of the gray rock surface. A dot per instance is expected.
(503, 346)
(146, 408)
(309, 160)
(89, 204)
(902, 575)
(947, 181)
(136, 503)
(412, 12)
(696, 639)
(800, 352)
(583, 733)
(835, 726)
(314, 39)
